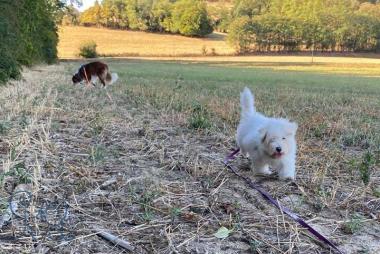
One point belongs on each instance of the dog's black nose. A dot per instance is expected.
(278, 149)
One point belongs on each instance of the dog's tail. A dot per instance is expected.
(247, 103)
(111, 78)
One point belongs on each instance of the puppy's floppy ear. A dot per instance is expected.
(291, 128)
(263, 134)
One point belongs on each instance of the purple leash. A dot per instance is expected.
(274, 202)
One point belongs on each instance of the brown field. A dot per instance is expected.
(165, 47)
(134, 43)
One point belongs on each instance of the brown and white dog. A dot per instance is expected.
(92, 71)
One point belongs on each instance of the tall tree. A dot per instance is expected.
(190, 18)
(250, 8)
(162, 13)
(92, 16)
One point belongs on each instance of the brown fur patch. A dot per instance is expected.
(97, 68)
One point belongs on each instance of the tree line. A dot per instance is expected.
(186, 17)
(294, 25)
(252, 25)
(28, 34)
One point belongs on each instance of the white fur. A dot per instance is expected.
(94, 79)
(259, 136)
(114, 78)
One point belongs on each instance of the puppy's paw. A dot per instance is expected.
(285, 177)
(263, 172)
(287, 173)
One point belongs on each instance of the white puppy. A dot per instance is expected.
(268, 142)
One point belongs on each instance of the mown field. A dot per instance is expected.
(146, 163)
(134, 43)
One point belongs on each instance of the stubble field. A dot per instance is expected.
(146, 165)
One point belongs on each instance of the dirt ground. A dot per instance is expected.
(74, 162)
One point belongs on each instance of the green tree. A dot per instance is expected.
(162, 13)
(241, 34)
(139, 14)
(106, 13)
(190, 18)
(119, 14)
(222, 18)
(92, 16)
(373, 11)
(344, 25)
(9, 66)
(250, 8)
(28, 34)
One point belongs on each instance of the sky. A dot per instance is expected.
(87, 4)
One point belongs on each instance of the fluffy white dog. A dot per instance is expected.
(268, 142)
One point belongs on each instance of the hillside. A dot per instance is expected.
(134, 43)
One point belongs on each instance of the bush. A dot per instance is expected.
(88, 49)
(28, 35)
(9, 68)
(9, 49)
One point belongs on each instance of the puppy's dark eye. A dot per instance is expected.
(283, 138)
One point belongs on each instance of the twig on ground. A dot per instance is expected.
(115, 240)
